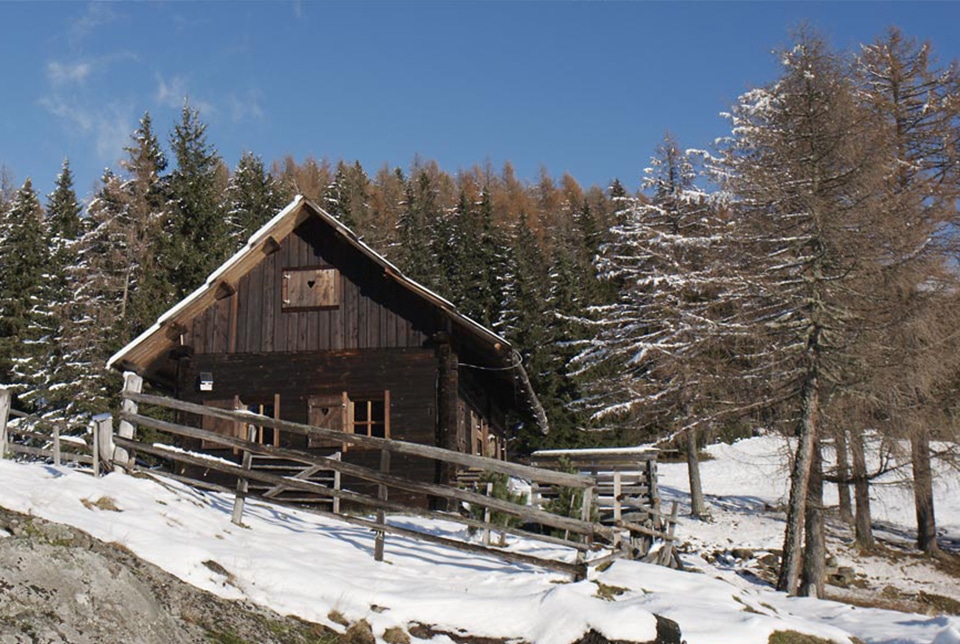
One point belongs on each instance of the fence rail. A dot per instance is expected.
(38, 437)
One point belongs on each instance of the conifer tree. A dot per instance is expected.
(143, 214)
(104, 277)
(916, 103)
(808, 255)
(58, 302)
(417, 227)
(24, 257)
(196, 239)
(253, 197)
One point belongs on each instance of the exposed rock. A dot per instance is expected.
(60, 585)
(668, 632)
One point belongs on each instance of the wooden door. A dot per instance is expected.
(329, 412)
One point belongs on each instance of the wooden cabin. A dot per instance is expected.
(306, 323)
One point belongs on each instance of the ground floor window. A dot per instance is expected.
(370, 416)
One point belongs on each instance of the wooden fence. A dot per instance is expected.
(34, 436)
(628, 495)
(584, 539)
(578, 535)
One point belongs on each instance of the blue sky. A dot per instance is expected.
(582, 87)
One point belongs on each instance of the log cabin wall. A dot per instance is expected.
(377, 339)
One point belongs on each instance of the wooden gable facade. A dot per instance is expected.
(308, 324)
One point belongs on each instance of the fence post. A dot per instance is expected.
(486, 516)
(382, 496)
(586, 515)
(4, 415)
(56, 445)
(336, 485)
(103, 441)
(242, 483)
(617, 504)
(132, 383)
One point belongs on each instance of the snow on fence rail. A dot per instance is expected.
(34, 436)
(578, 535)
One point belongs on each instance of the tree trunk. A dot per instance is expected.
(843, 475)
(815, 548)
(799, 484)
(923, 490)
(697, 506)
(863, 523)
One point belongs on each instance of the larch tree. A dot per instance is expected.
(917, 105)
(804, 166)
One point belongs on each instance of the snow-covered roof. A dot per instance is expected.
(281, 225)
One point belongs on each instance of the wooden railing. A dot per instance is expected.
(628, 496)
(580, 534)
(36, 437)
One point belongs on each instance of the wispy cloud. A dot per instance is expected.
(96, 15)
(59, 73)
(108, 125)
(245, 107)
(171, 91)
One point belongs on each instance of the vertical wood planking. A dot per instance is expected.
(255, 312)
(336, 319)
(291, 259)
(279, 322)
(243, 294)
(271, 301)
(196, 334)
(350, 329)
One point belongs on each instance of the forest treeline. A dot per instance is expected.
(799, 277)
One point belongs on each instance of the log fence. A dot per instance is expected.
(607, 525)
(583, 538)
(31, 435)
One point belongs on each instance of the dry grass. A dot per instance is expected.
(103, 503)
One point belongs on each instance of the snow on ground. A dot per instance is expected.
(299, 563)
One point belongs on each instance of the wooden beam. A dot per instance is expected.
(224, 290)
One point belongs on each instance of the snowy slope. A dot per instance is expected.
(301, 564)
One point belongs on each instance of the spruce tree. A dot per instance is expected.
(253, 197)
(103, 278)
(63, 218)
(23, 321)
(196, 237)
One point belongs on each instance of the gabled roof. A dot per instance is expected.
(157, 340)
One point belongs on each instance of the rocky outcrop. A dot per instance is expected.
(58, 584)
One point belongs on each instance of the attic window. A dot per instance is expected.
(305, 289)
